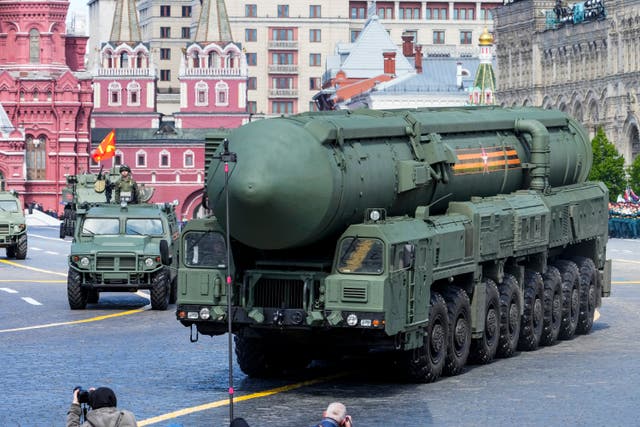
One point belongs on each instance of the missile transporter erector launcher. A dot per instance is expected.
(443, 235)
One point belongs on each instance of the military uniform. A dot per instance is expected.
(126, 187)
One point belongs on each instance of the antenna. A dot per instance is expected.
(228, 157)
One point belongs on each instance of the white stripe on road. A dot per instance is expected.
(9, 290)
(49, 238)
(34, 249)
(31, 301)
(51, 253)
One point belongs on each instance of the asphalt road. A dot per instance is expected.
(146, 357)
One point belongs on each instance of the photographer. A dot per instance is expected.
(103, 413)
(335, 416)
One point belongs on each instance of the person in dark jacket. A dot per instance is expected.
(103, 413)
(335, 416)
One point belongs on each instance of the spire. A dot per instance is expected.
(213, 24)
(484, 85)
(125, 26)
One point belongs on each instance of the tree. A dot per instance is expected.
(608, 165)
(634, 174)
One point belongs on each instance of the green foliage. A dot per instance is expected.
(634, 174)
(608, 165)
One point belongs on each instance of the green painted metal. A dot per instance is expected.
(13, 223)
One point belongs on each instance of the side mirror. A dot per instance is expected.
(165, 257)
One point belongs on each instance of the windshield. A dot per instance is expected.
(9, 205)
(100, 226)
(205, 249)
(144, 226)
(361, 256)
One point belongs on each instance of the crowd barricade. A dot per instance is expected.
(624, 220)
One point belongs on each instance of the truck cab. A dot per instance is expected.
(13, 225)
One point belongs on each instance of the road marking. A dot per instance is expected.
(31, 301)
(49, 238)
(625, 282)
(15, 264)
(34, 249)
(76, 322)
(30, 281)
(51, 253)
(219, 403)
(630, 261)
(9, 290)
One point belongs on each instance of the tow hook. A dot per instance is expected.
(278, 317)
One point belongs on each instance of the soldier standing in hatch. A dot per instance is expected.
(127, 186)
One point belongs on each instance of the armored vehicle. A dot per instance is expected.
(116, 248)
(444, 236)
(90, 188)
(13, 225)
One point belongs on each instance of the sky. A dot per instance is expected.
(79, 6)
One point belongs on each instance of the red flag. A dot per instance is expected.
(106, 149)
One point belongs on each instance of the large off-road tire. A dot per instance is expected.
(11, 251)
(262, 358)
(76, 294)
(93, 296)
(426, 363)
(459, 342)
(588, 294)
(570, 298)
(533, 311)
(160, 290)
(483, 349)
(552, 306)
(21, 247)
(173, 293)
(509, 316)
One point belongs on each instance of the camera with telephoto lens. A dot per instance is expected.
(83, 395)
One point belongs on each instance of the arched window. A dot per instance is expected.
(222, 94)
(34, 46)
(124, 60)
(202, 94)
(139, 60)
(35, 157)
(214, 60)
(114, 94)
(133, 91)
(196, 60)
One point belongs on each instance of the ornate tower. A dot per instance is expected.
(484, 85)
(46, 94)
(125, 79)
(213, 74)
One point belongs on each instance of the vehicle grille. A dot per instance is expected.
(4, 228)
(279, 293)
(116, 263)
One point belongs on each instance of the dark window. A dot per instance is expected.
(252, 107)
(251, 10)
(186, 32)
(354, 35)
(165, 10)
(165, 53)
(165, 32)
(409, 10)
(250, 34)
(486, 12)
(283, 11)
(385, 11)
(282, 58)
(437, 11)
(314, 11)
(282, 34)
(438, 37)
(141, 159)
(464, 12)
(358, 9)
(282, 107)
(164, 160)
(313, 106)
(252, 59)
(186, 11)
(252, 83)
(314, 83)
(165, 75)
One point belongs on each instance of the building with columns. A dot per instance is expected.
(589, 69)
(46, 98)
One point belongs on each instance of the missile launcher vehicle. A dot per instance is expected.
(443, 236)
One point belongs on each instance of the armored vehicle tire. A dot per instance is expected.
(570, 298)
(21, 247)
(262, 358)
(552, 306)
(509, 316)
(160, 290)
(459, 342)
(173, 294)
(588, 288)
(75, 293)
(483, 349)
(11, 251)
(93, 296)
(533, 311)
(426, 363)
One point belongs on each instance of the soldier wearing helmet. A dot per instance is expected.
(126, 187)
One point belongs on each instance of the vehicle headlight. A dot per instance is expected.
(352, 320)
(17, 228)
(204, 313)
(148, 262)
(84, 261)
